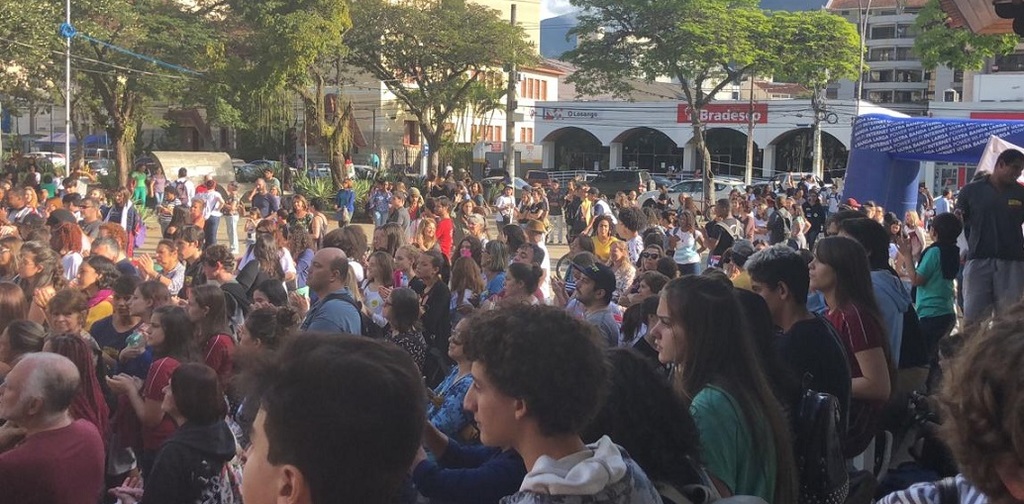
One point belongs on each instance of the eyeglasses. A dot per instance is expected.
(650, 255)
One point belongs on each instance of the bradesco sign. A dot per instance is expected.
(721, 113)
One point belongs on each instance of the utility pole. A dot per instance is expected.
(67, 93)
(863, 25)
(510, 112)
(748, 175)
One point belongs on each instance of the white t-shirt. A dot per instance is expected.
(71, 262)
(287, 263)
(506, 206)
(211, 199)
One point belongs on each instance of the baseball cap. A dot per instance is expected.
(476, 219)
(601, 274)
(742, 248)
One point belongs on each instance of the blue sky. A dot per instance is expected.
(552, 8)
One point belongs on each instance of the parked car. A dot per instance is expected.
(57, 160)
(541, 177)
(693, 188)
(611, 182)
(783, 180)
(492, 187)
(248, 172)
(660, 180)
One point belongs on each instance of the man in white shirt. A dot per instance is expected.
(212, 202)
(506, 205)
(944, 203)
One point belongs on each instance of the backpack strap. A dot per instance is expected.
(949, 493)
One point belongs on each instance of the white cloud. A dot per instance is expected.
(553, 8)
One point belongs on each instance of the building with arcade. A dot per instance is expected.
(658, 135)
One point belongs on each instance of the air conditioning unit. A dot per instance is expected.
(950, 95)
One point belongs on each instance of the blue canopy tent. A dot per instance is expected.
(885, 158)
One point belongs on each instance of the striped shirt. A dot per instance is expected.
(928, 493)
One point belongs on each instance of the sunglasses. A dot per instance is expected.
(650, 255)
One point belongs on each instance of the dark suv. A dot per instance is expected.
(611, 182)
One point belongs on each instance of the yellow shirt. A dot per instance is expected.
(603, 250)
(101, 310)
(742, 281)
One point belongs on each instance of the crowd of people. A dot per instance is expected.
(665, 361)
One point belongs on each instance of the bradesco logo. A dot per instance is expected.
(720, 113)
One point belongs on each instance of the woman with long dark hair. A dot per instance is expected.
(192, 465)
(96, 278)
(513, 236)
(644, 416)
(13, 305)
(10, 251)
(745, 437)
(840, 271)
(170, 334)
(207, 310)
(41, 277)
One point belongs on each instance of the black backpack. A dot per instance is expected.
(818, 449)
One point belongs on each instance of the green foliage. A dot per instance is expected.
(958, 48)
(431, 54)
(705, 44)
(814, 48)
(362, 190)
(315, 188)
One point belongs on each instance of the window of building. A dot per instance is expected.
(907, 96)
(880, 96)
(832, 93)
(909, 76)
(886, 12)
(880, 76)
(958, 75)
(1009, 63)
(526, 135)
(905, 54)
(882, 32)
(411, 133)
(881, 54)
(543, 90)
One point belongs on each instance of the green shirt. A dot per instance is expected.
(935, 296)
(140, 180)
(728, 448)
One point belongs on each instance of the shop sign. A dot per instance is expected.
(726, 113)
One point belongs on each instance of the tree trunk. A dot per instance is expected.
(119, 139)
(702, 147)
(433, 140)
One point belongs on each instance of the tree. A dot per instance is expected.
(703, 44)
(429, 54)
(957, 48)
(295, 46)
(179, 37)
(814, 49)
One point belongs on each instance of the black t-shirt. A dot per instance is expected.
(194, 276)
(992, 220)
(717, 230)
(812, 346)
(109, 339)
